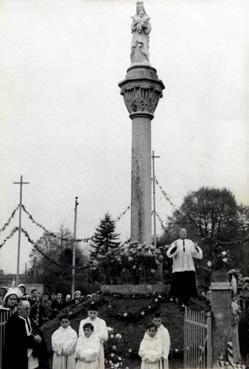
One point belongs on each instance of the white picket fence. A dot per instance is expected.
(4, 315)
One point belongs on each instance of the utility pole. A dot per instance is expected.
(154, 193)
(74, 245)
(21, 183)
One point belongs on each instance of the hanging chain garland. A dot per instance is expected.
(9, 220)
(33, 243)
(161, 222)
(122, 214)
(9, 236)
(165, 194)
(135, 316)
(224, 243)
(70, 240)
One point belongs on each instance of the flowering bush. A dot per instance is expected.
(138, 262)
(113, 350)
(220, 259)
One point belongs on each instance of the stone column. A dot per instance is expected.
(222, 318)
(141, 90)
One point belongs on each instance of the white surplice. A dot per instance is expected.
(101, 331)
(150, 351)
(164, 337)
(63, 343)
(87, 352)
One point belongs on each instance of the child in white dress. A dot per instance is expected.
(100, 330)
(64, 342)
(163, 334)
(87, 349)
(150, 349)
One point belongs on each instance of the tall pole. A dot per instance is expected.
(154, 193)
(74, 245)
(21, 183)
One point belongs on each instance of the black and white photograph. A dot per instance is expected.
(124, 194)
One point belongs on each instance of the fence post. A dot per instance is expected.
(209, 341)
(222, 324)
(235, 330)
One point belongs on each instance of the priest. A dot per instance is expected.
(183, 252)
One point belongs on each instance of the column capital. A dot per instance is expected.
(141, 90)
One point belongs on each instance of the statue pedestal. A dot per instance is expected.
(141, 90)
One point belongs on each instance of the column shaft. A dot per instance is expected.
(141, 180)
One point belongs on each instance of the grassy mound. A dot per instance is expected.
(126, 318)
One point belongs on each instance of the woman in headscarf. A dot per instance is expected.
(12, 298)
(22, 288)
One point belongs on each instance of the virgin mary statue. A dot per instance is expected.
(140, 29)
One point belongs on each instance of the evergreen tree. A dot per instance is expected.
(104, 239)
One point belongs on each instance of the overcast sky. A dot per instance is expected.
(64, 125)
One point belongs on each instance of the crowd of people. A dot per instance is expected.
(43, 306)
(84, 349)
(25, 346)
(71, 350)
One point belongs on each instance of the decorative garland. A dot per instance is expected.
(131, 316)
(165, 194)
(9, 220)
(33, 243)
(70, 240)
(122, 214)
(44, 255)
(161, 222)
(117, 349)
(135, 296)
(9, 236)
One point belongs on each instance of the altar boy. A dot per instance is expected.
(163, 335)
(100, 329)
(64, 341)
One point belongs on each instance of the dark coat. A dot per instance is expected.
(37, 314)
(58, 305)
(17, 343)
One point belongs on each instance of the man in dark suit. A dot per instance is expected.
(58, 304)
(23, 341)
